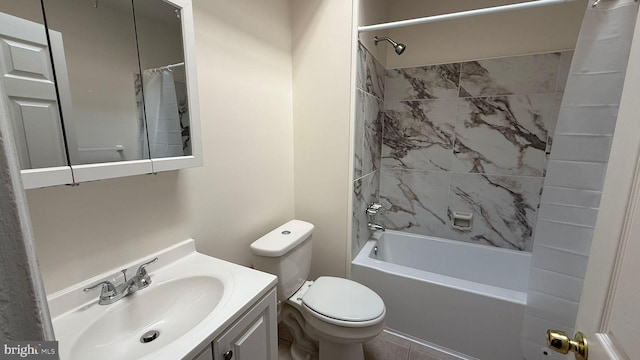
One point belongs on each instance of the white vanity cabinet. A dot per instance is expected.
(252, 337)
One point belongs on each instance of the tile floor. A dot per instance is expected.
(384, 347)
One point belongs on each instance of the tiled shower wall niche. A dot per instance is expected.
(470, 138)
(367, 142)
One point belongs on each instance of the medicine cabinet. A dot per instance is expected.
(99, 88)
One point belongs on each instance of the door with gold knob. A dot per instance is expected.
(609, 314)
(559, 341)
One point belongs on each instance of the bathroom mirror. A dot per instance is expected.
(163, 80)
(29, 88)
(95, 57)
(178, 144)
(124, 72)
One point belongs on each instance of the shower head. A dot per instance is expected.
(399, 48)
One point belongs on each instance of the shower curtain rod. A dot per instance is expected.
(169, 67)
(462, 14)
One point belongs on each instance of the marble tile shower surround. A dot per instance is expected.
(470, 137)
(504, 135)
(370, 87)
(422, 202)
(365, 191)
(369, 113)
(370, 76)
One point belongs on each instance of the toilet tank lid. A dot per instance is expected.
(282, 239)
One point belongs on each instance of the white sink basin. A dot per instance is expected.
(192, 298)
(172, 308)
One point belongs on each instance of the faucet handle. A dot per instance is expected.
(373, 208)
(142, 271)
(108, 288)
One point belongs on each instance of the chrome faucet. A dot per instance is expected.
(110, 293)
(375, 227)
(372, 211)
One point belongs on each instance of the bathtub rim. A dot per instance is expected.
(513, 252)
(364, 259)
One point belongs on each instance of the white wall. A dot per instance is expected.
(374, 12)
(27, 9)
(243, 51)
(510, 33)
(322, 95)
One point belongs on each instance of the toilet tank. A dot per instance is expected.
(286, 253)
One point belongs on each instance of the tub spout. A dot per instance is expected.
(374, 227)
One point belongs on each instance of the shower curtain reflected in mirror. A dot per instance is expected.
(162, 136)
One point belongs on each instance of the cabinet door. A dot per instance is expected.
(206, 354)
(253, 337)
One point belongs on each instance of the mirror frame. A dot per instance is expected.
(188, 41)
(73, 174)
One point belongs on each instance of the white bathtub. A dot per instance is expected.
(465, 297)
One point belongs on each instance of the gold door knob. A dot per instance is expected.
(560, 342)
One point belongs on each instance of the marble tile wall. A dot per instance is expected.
(471, 137)
(370, 87)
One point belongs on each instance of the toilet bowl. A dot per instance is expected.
(340, 314)
(330, 318)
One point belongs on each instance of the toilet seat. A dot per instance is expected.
(343, 302)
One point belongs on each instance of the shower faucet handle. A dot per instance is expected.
(373, 208)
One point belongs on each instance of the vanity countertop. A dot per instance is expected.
(76, 313)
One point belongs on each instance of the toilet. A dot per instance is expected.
(330, 318)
